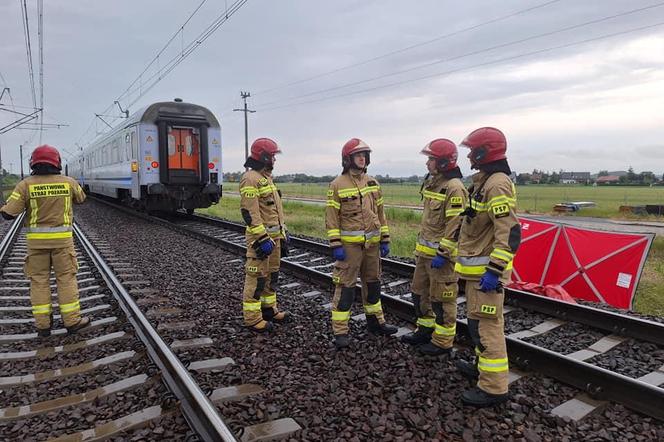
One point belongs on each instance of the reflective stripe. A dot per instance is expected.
(14, 196)
(267, 189)
(501, 199)
(34, 212)
(384, 229)
(447, 244)
(55, 235)
(340, 316)
(256, 230)
(373, 233)
(359, 236)
(453, 212)
(70, 307)
(373, 309)
(333, 233)
(502, 254)
(273, 229)
(424, 249)
(475, 265)
(41, 309)
(426, 322)
(433, 195)
(48, 229)
(332, 203)
(473, 260)
(478, 206)
(269, 299)
(369, 189)
(249, 191)
(445, 331)
(351, 191)
(493, 365)
(477, 351)
(380, 201)
(251, 306)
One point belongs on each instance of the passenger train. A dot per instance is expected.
(165, 157)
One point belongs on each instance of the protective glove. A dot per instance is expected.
(438, 262)
(489, 282)
(285, 245)
(339, 253)
(263, 247)
(384, 249)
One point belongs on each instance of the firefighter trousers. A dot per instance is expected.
(365, 261)
(487, 330)
(37, 268)
(434, 297)
(261, 277)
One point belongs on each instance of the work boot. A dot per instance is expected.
(341, 341)
(377, 328)
(476, 397)
(279, 317)
(420, 336)
(43, 332)
(467, 369)
(80, 325)
(431, 349)
(261, 326)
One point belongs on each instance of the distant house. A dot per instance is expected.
(575, 177)
(608, 179)
(536, 178)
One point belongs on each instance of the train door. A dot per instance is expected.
(183, 154)
(135, 161)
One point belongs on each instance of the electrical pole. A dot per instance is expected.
(244, 96)
(20, 148)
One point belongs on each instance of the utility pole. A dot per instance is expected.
(244, 96)
(20, 148)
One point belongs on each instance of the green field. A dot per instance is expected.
(531, 198)
(308, 219)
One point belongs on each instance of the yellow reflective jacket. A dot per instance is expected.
(354, 211)
(444, 201)
(47, 200)
(260, 205)
(490, 232)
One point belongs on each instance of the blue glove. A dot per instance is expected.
(263, 247)
(384, 249)
(339, 253)
(438, 262)
(489, 282)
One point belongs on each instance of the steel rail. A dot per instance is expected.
(197, 409)
(10, 235)
(612, 322)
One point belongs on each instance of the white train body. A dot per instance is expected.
(167, 156)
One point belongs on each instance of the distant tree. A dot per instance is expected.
(603, 173)
(554, 178)
(631, 176)
(523, 178)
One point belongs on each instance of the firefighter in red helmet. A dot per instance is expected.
(434, 287)
(359, 236)
(489, 238)
(47, 198)
(266, 235)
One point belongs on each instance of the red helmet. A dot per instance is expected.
(263, 149)
(486, 144)
(45, 154)
(443, 150)
(353, 146)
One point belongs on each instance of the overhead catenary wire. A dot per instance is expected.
(271, 105)
(407, 48)
(472, 67)
(28, 49)
(142, 86)
(40, 33)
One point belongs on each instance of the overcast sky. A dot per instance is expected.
(583, 107)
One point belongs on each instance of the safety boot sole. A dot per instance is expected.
(341, 341)
(264, 329)
(430, 349)
(476, 397)
(467, 370)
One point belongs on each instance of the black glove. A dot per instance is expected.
(285, 245)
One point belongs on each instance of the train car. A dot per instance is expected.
(165, 157)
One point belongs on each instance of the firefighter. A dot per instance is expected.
(47, 198)
(266, 235)
(434, 285)
(489, 238)
(358, 233)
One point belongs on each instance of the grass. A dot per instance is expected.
(309, 219)
(531, 198)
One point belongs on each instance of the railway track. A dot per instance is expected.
(113, 378)
(587, 366)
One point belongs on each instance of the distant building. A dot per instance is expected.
(608, 179)
(575, 177)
